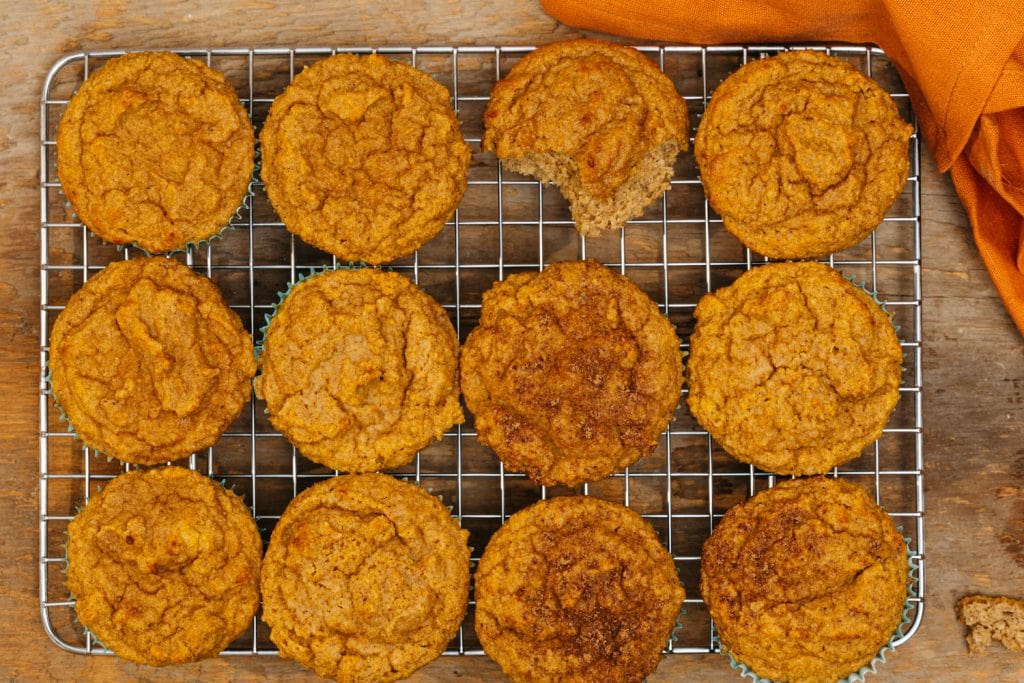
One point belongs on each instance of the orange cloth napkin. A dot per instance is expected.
(961, 60)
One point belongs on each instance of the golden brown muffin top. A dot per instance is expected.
(148, 362)
(366, 578)
(360, 369)
(604, 106)
(801, 154)
(572, 373)
(155, 150)
(576, 589)
(164, 566)
(805, 581)
(363, 157)
(792, 368)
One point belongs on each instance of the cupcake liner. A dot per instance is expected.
(863, 286)
(913, 576)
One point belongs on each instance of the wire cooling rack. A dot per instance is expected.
(507, 223)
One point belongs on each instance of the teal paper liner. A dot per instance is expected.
(871, 667)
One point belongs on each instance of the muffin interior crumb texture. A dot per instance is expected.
(572, 373)
(576, 589)
(164, 566)
(366, 578)
(801, 154)
(598, 120)
(148, 362)
(988, 619)
(806, 581)
(363, 157)
(792, 368)
(155, 150)
(360, 369)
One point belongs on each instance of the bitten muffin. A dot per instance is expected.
(572, 373)
(155, 150)
(598, 120)
(363, 157)
(806, 581)
(576, 589)
(792, 368)
(989, 618)
(801, 154)
(148, 362)
(359, 369)
(164, 566)
(366, 578)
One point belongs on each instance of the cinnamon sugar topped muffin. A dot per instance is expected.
(576, 589)
(572, 373)
(363, 157)
(801, 154)
(155, 150)
(806, 581)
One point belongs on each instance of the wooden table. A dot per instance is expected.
(973, 360)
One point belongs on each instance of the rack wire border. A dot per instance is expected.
(658, 54)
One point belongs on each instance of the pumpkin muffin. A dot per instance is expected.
(572, 373)
(806, 581)
(363, 157)
(148, 362)
(792, 368)
(359, 369)
(598, 120)
(164, 566)
(801, 154)
(366, 578)
(576, 589)
(155, 150)
(989, 618)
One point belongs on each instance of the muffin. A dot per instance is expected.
(164, 566)
(801, 154)
(598, 120)
(806, 581)
(363, 157)
(989, 618)
(148, 363)
(792, 368)
(576, 589)
(359, 369)
(366, 578)
(572, 373)
(155, 150)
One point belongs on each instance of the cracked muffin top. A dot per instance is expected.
(805, 581)
(792, 368)
(155, 150)
(148, 362)
(359, 369)
(576, 589)
(164, 566)
(363, 157)
(572, 373)
(597, 119)
(366, 578)
(801, 154)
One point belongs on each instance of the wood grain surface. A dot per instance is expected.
(973, 360)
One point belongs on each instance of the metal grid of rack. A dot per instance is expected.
(676, 251)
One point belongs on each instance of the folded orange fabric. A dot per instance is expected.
(962, 62)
